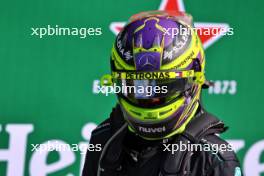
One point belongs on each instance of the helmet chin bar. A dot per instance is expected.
(165, 128)
(150, 130)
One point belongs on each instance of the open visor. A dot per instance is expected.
(151, 89)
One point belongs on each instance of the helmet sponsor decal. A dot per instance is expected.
(152, 130)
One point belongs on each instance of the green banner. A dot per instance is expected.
(53, 53)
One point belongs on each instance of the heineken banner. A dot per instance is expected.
(54, 53)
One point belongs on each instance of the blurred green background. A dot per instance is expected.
(48, 82)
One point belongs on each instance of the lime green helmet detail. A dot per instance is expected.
(158, 51)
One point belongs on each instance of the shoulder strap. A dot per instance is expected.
(110, 158)
(203, 124)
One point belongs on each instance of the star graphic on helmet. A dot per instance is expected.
(207, 38)
(145, 60)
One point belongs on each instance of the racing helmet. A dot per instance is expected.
(159, 60)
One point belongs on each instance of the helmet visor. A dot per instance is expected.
(151, 92)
